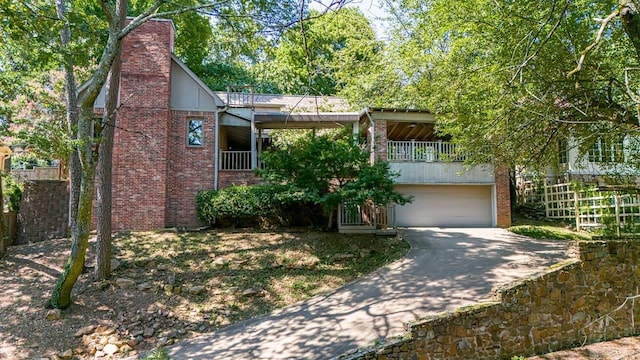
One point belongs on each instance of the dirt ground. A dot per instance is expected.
(151, 302)
(170, 286)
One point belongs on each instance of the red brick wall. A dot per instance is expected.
(141, 138)
(381, 140)
(190, 169)
(503, 197)
(226, 178)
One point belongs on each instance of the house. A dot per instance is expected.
(175, 137)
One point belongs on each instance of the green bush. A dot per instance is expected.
(12, 192)
(258, 205)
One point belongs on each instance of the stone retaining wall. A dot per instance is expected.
(581, 301)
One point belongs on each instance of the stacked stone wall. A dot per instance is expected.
(585, 300)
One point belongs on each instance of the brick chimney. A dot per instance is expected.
(141, 137)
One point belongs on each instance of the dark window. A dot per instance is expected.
(195, 133)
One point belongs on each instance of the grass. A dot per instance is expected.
(248, 273)
(546, 229)
(549, 232)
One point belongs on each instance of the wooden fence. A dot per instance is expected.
(367, 218)
(593, 209)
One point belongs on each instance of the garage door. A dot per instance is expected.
(444, 205)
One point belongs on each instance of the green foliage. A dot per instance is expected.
(321, 56)
(12, 192)
(330, 169)
(548, 232)
(498, 73)
(160, 354)
(262, 205)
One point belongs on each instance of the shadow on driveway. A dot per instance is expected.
(445, 269)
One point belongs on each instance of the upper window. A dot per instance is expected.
(563, 151)
(195, 132)
(607, 150)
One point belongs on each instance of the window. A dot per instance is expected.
(195, 133)
(607, 150)
(563, 151)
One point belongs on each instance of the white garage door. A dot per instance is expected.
(445, 205)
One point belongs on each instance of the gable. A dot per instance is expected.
(188, 92)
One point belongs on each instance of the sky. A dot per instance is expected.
(370, 8)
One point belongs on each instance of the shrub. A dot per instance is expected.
(261, 205)
(11, 192)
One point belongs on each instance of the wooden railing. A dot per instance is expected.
(240, 96)
(235, 160)
(423, 151)
(365, 218)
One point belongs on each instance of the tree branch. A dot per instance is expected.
(604, 23)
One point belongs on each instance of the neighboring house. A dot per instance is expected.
(175, 137)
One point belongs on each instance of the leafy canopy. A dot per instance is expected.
(499, 73)
(330, 169)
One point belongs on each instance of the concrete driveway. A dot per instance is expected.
(445, 269)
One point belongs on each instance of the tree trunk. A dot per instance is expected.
(75, 168)
(61, 295)
(3, 245)
(105, 159)
(630, 16)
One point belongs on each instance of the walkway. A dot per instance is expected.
(445, 269)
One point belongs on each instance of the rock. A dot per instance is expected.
(125, 348)
(114, 264)
(144, 286)
(171, 279)
(365, 253)
(250, 292)
(343, 257)
(113, 340)
(162, 267)
(104, 341)
(110, 349)
(162, 341)
(125, 283)
(68, 354)
(85, 330)
(137, 332)
(148, 332)
(132, 342)
(99, 354)
(196, 290)
(105, 331)
(53, 314)
(220, 262)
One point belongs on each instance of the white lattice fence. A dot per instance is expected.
(560, 201)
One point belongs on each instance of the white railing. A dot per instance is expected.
(423, 151)
(235, 160)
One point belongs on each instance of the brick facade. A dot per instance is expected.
(190, 168)
(140, 155)
(380, 140)
(503, 197)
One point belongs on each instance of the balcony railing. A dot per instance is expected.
(235, 160)
(423, 151)
(240, 96)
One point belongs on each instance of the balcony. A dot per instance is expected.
(235, 160)
(434, 162)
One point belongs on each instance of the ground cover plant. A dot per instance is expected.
(168, 286)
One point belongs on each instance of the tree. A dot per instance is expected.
(512, 79)
(80, 109)
(321, 55)
(330, 169)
